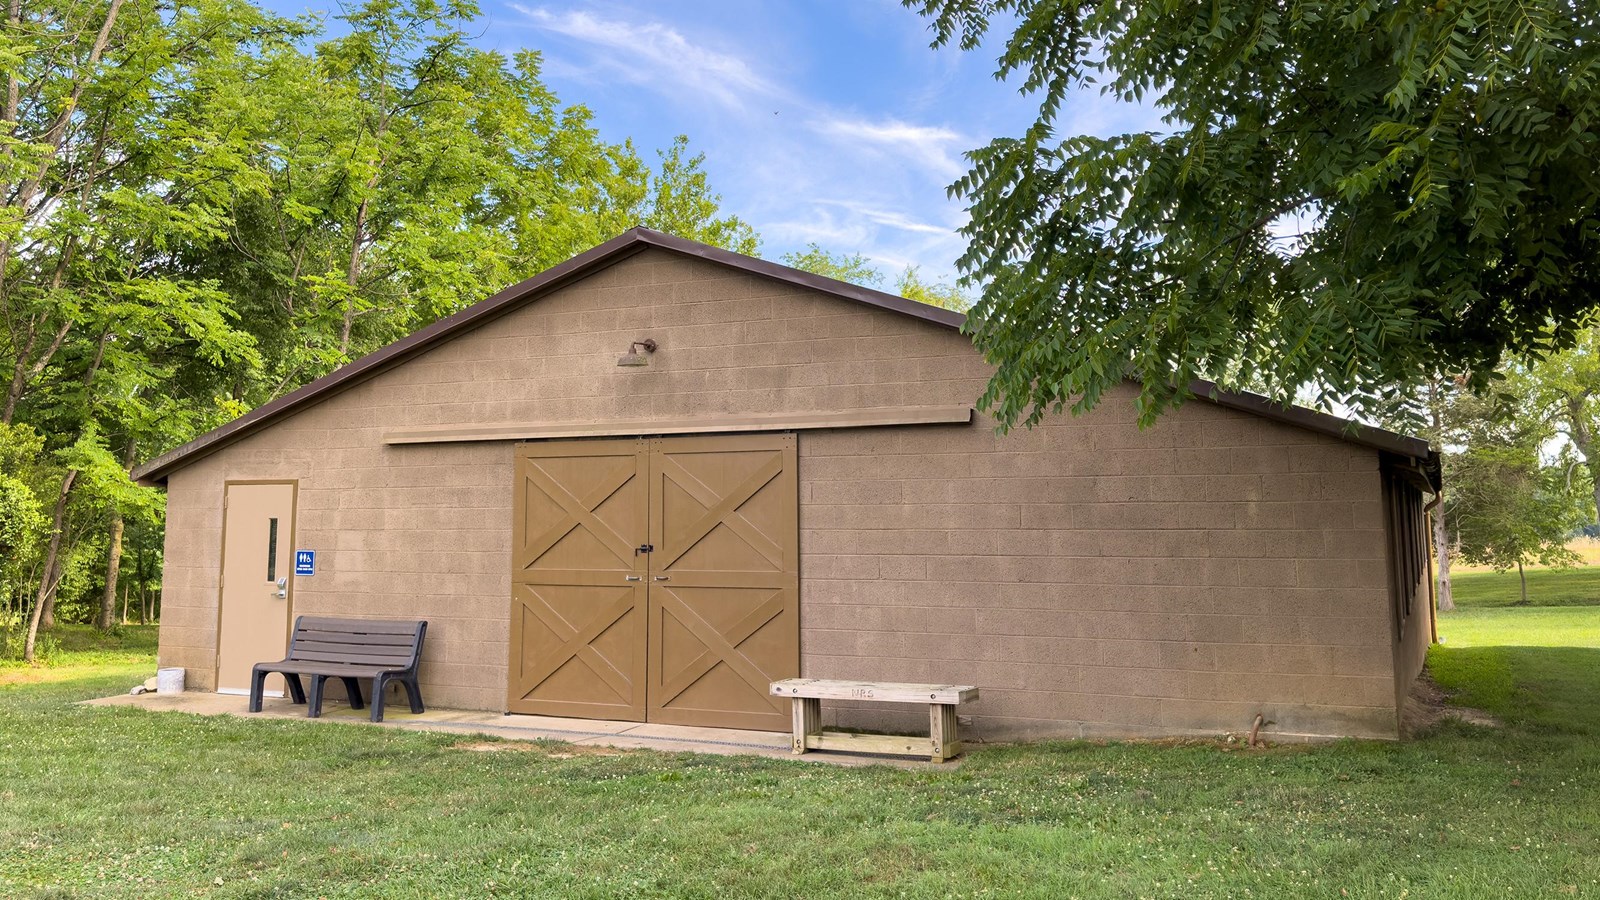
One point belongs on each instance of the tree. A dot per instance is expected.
(858, 270)
(1563, 391)
(1509, 510)
(855, 269)
(912, 287)
(201, 210)
(1347, 196)
(681, 202)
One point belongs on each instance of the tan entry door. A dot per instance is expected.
(678, 557)
(725, 580)
(578, 580)
(257, 552)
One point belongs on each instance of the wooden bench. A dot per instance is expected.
(943, 741)
(382, 650)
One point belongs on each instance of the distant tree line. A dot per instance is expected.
(204, 205)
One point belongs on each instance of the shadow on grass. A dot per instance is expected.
(1541, 688)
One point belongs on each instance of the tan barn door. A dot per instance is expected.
(254, 606)
(725, 579)
(578, 588)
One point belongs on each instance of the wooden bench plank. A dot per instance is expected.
(877, 691)
(870, 743)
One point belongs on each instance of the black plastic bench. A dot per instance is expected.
(382, 650)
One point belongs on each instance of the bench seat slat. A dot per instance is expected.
(878, 691)
(314, 667)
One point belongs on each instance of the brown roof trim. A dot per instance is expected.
(1347, 429)
(637, 240)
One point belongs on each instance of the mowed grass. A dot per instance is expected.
(1577, 586)
(98, 802)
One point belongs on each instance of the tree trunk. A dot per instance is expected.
(1523, 575)
(353, 278)
(125, 589)
(52, 560)
(108, 600)
(1594, 478)
(1582, 438)
(1441, 552)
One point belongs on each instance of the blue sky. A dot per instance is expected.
(826, 121)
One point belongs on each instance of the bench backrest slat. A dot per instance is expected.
(371, 642)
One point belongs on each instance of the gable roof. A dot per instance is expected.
(637, 240)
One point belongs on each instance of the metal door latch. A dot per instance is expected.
(644, 548)
(283, 589)
(633, 578)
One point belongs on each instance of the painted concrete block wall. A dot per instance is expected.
(1416, 635)
(1092, 578)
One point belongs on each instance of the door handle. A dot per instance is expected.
(633, 578)
(663, 577)
(283, 588)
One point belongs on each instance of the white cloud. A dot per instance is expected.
(657, 55)
(889, 218)
(798, 167)
(932, 147)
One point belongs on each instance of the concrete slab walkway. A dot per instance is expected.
(583, 732)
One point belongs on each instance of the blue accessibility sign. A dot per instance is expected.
(305, 562)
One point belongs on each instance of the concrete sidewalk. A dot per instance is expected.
(582, 732)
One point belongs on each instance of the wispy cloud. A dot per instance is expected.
(932, 147)
(655, 54)
(826, 170)
(890, 218)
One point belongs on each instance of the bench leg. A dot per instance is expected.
(380, 685)
(413, 693)
(297, 692)
(807, 720)
(944, 728)
(352, 687)
(314, 697)
(258, 684)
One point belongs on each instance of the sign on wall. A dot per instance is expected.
(305, 562)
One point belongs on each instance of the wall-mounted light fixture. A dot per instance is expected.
(634, 358)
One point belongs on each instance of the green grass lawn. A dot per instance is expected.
(1577, 586)
(101, 802)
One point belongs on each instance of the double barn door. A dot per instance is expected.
(656, 580)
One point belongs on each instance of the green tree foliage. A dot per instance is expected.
(1562, 393)
(854, 269)
(1508, 510)
(912, 287)
(204, 205)
(858, 270)
(1349, 195)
